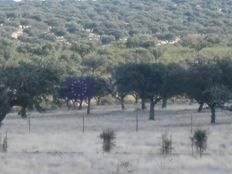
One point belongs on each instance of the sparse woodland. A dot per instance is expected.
(161, 86)
(152, 50)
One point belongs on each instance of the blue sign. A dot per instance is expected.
(79, 88)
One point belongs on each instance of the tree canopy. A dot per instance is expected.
(27, 85)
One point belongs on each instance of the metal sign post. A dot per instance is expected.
(29, 123)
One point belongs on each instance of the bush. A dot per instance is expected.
(107, 39)
(108, 136)
(129, 99)
(200, 141)
(166, 145)
(107, 100)
(58, 31)
(3, 143)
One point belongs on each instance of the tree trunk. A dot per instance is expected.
(67, 104)
(74, 104)
(98, 100)
(2, 116)
(80, 105)
(200, 107)
(143, 105)
(213, 114)
(23, 112)
(122, 102)
(88, 108)
(136, 99)
(164, 103)
(152, 109)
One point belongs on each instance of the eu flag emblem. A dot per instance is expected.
(79, 88)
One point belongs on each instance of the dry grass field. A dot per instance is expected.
(57, 145)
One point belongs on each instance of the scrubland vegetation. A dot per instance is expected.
(161, 82)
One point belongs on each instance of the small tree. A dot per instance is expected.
(200, 141)
(108, 136)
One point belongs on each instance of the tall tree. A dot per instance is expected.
(225, 66)
(154, 82)
(120, 88)
(173, 79)
(99, 88)
(135, 79)
(27, 85)
(204, 84)
(4, 103)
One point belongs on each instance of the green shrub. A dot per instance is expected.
(200, 141)
(108, 136)
(166, 147)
